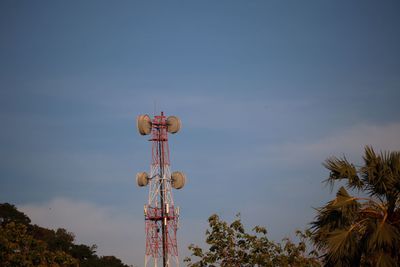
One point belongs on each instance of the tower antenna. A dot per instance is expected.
(161, 215)
(155, 107)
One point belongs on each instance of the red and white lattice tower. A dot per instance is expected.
(161, 215)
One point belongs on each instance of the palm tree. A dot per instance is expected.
(362, 230)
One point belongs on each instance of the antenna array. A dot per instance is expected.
(161, 215)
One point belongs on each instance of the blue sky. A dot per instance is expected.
(266, 90)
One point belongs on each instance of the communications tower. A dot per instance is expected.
(160, 214)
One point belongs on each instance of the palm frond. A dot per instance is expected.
(383, 235)
(361, 231)
(344, 201)
(342, 243)
(337, 214)
(383, 259)
(341, 169)
(381, 173)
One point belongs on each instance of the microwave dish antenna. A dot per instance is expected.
(144, 124)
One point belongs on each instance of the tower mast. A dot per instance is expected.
(161, 215)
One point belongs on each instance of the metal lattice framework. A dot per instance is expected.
(161, 215)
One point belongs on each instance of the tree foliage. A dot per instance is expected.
(230, 245)
(19, 248)
(9, 213)
(362, 231)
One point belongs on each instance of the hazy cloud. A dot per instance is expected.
(115, 233)
(349, 142)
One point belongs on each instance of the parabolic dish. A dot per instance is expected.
(178, 180)
(173, 124)
(142, 178)
(144, 124)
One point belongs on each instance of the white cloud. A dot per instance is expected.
(115, 233)
(349, 142)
